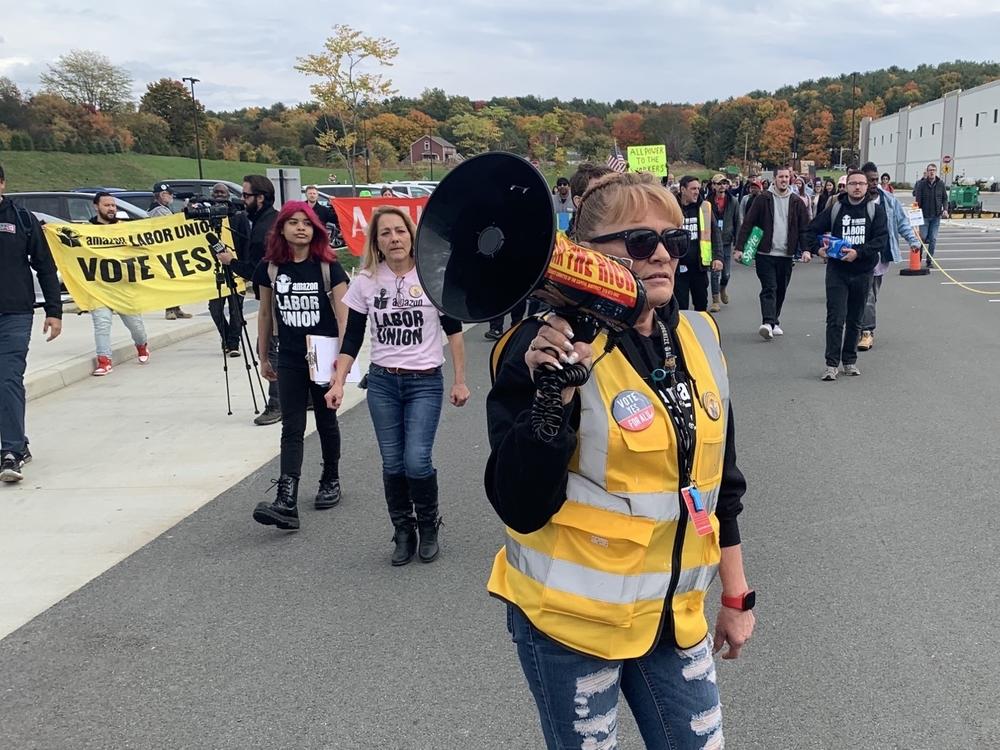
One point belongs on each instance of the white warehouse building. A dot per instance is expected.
(963, 125)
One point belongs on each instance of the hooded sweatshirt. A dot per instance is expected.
(779, 240)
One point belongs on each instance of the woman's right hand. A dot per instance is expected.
(267, 372)
(334, 396)
(554, 346)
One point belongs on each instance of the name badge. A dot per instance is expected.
(632, 411)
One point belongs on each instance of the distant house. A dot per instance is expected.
(432, 148)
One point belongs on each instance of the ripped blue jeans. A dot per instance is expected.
(672, 693)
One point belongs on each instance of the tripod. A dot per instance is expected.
(224, 277)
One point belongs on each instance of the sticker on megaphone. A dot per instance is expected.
(591, 272)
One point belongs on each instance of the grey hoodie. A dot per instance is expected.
(779, 241)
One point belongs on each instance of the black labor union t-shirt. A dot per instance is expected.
(301, 306)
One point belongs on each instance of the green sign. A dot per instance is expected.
(651, 159)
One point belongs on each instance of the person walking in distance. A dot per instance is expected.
(705, 251)
(107, 213)
(754, 188)
(594, 516)
(163, 197)
(899, 224)
(725, 212)
(931, 196)
(405, 384)
(302, 288)
(783, 219)
(22, 248)
(859, 218)
(258, 197)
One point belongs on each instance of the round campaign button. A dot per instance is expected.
(416, 291)
(712, 404)
(632, 411)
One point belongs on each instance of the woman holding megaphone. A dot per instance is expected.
(618, 524)
(405, 383)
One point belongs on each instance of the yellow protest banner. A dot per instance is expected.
(137, 266)
(652, 159)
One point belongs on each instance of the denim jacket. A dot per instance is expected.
(899, 224)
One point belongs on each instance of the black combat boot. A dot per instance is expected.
(397, 498)
(283, 512)
(329, 489)
(424, 493)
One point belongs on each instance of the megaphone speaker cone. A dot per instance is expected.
(485, 237)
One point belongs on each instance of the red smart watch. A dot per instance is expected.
(743, 602)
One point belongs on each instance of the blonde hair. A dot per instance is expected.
(620, 197)
(372, 255)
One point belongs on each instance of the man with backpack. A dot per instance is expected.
(22, 248)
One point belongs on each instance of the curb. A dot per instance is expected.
(50, 379)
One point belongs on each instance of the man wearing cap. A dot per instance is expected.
(725, 213)
(756, 187)
(562, 202)
(163, 196)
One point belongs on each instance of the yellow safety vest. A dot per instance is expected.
(705, 233)
(599, 575)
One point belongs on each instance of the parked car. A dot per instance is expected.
(97, 189)
(203, 188)
(144, 199)
(70, 206)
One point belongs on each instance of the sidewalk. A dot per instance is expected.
(122, 458)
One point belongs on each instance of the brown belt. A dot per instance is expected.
(404, 371)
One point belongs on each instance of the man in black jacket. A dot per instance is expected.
(230, 331)
(22, 247)
(726, 213)
(860, 219)
(932, 198)
(258, 197)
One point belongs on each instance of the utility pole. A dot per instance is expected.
(854, 86)
(197, 136)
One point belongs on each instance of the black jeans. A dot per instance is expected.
(515, 316)
(846, 293)
(273, 394)
(15, 333)
(232, 330)
(774, 273)
(691, 287)
(294, 384)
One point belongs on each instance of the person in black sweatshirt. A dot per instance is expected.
(22, 247)
(860, 219)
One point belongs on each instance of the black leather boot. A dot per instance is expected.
(424, 493)
(397, 498)
(328, 494)
(284, 511)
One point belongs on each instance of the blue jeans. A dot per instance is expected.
(102, 329)
(672, 693)
(405, 412)
(721, 278)
(929, 233)
(15, 333)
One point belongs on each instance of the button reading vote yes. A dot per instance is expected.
(632, 411)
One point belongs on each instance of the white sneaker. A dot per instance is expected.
(776, 330)
(830, 373)
(851, 370)
(766, 332)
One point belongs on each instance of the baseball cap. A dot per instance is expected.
(162, 187)
(757, 183)
(842, 180)
(718, 177)
(562, 181)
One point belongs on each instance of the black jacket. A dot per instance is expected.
(693, 258)
(760, 213)
(23, 247)
(526, 478)
(730, 218)
(932, 198)
(876, 233)
(246, 264)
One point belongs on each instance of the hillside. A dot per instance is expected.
(52, 170)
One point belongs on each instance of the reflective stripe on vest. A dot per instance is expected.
(705, 233)
(597, 576)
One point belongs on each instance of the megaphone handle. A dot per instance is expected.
(547, 410)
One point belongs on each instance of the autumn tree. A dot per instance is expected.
(626, 128)
(350, 84)
(817, 136)
(776, 140)
(474, 134)
(90, 79)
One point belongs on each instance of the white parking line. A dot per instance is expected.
(967, 283)
(961, 270)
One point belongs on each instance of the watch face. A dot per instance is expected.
(749, 600)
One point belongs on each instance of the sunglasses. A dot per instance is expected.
(250, 195)
(641, 243)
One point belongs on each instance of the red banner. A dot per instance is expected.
(355, 213)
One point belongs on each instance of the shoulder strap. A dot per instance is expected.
(272, 274)
(871, 210)
(834, 213)
(24, 219)
(324, 268)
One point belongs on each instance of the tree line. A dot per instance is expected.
(85, 105)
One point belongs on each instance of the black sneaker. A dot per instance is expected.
(270, 415)
(26, 456)
(10, 468)
(493, 334)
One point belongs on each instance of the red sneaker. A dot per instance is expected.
(103, 366)
(143, 350)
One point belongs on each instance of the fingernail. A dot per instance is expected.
(574, 358)
(567, 346)
(569, 333)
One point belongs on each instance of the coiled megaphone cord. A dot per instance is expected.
(547, 409)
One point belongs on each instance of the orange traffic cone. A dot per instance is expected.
(915, 269)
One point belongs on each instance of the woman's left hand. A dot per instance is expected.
(459, 394)
(735, 628)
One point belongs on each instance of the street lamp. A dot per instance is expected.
(197, 136)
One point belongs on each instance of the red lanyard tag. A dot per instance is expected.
(696, 510)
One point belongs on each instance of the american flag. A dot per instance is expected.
(616, 161)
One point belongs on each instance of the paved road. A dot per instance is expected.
(869, 532)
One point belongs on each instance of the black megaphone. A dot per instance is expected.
(487, 240)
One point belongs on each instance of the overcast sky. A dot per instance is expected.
(661, 50)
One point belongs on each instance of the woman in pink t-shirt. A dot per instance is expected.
(405, 384)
